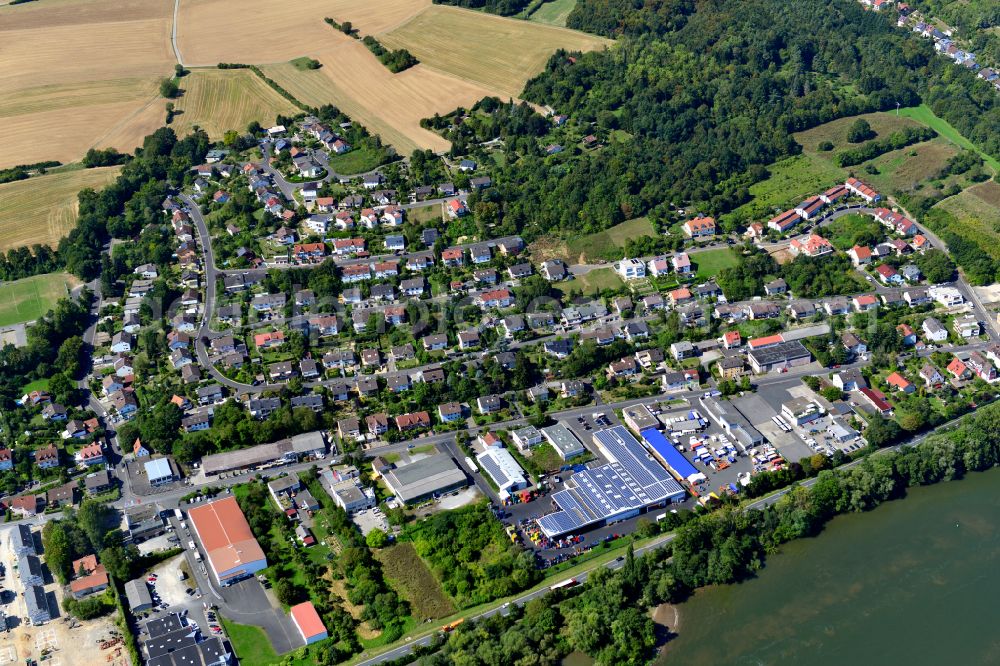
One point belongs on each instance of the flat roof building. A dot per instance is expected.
(159, 472)
(425, 478)
(669, 456)
(232, 551)
(631, 483)
(275, 453)
(502, 468)
(732, 422)
(172, 641)
(639, 418)
(779, 356)
(563, 441)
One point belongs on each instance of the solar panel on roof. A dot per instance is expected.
(631, 481)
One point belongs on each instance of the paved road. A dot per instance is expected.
(406, 648)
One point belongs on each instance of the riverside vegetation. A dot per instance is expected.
(608, 619)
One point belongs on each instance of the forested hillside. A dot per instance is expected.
(700, 97)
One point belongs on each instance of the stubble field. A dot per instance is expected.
(498, 52)
(42, 209)
(79, 73)
(218, 100)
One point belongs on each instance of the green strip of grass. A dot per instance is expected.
(923, 114)
(250, 644)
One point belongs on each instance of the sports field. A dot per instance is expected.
(43, 209)
(78, 73)
(218, 100)
(500, 53)
(30, 298)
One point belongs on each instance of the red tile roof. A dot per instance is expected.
(307, 620)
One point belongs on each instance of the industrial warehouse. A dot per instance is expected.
(233, 552)
(631, 483)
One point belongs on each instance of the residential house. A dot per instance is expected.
(934, 330)
(699, 227)
(931, 375)
(900, 383)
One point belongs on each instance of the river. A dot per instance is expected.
(915, 582)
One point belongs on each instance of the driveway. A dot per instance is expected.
(247, 602)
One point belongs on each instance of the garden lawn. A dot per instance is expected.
(591, 283)
(844, 231)
(710, 262)
(358, 160)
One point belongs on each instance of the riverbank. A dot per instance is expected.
(919, 568)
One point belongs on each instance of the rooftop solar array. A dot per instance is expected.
(633, 480)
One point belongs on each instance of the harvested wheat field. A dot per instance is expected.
(72, 71)
(373, 17)
(500, 53)
(390, 105)
(42, 209)
(250, 31)
(218, 100)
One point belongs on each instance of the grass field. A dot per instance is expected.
(251, 644)
(358, 160)
(500, 53)
(975, 214)
(608, 243)
(905, 169)
(79, 73)
(553, 12)
(792, 180)
(835, 131)
(923, 114)
(710, 262)
(30, 298)
(42, 209)
(426, 214)
(218, 100)
(414, 581)
(844, 231)
(591, 283)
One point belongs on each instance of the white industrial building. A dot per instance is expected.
(502, 468)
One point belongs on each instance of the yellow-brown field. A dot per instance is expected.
(42, 209)
(498, 52)
(74, 71)
(250, 31)
(390, 105)
(76, 74)
(218, 100)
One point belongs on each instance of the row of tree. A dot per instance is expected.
(608, 619)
